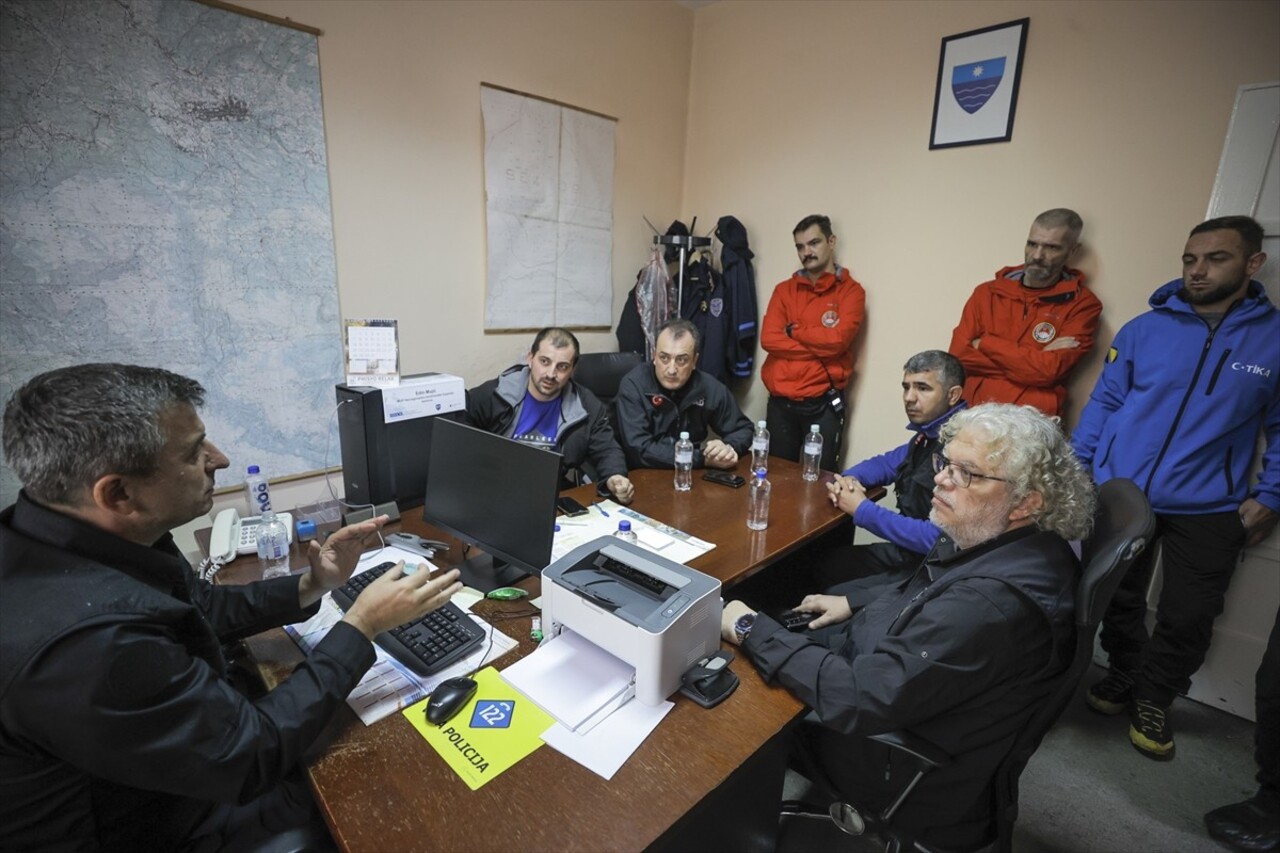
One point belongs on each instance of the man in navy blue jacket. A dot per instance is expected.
(932, 383)
(1178, 407)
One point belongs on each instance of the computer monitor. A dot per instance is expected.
(496, 494)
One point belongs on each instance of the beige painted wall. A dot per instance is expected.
(770, 111)
(825, 107)
(401, 86)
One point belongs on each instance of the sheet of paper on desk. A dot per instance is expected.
(389, 686)
(675, 545)
(572, 679)
(607, 746)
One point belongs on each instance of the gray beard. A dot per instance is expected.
(987, 523)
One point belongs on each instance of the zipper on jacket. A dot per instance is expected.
(1217, 371)
(1182, 407)
(1231, 482)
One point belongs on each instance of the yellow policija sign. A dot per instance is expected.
(497, 728)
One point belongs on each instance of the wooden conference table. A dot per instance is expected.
(694, 783)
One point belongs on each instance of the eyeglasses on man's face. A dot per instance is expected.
(959, 475)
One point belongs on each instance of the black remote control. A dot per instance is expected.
(796, 620)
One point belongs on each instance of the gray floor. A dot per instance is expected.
(1088, 791)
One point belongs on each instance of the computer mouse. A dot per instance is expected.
(448, 699)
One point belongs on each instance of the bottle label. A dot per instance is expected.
(261, 495)
(759, 444)
(684, 457)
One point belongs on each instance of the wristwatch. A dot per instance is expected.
(742, 628)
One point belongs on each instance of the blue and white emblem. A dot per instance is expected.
(493, 714)
(973, 84)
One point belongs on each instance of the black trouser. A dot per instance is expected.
(1199, 554)
(863, 573)
(789, 421)
(1266, 735)
(284, 818)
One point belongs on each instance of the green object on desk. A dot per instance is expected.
(507, 593)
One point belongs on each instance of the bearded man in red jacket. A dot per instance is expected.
(1023, 331)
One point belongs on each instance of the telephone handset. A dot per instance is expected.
(233, 535)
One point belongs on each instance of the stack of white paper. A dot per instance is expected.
(573, 680)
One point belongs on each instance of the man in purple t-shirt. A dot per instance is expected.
(539, 404)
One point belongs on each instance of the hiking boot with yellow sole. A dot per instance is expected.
(1149, 730)
(1112, 694)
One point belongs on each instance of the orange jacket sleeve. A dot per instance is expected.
(1029, 363)
(818, 340)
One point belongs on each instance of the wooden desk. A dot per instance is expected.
(694, 783)
(798, 512)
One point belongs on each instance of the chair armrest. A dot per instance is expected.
(925, 751)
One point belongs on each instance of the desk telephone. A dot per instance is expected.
(233, 535)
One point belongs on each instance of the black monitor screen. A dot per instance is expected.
(494, 493)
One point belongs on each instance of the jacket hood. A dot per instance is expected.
(825, 282)
(1070, 280)
(733, 234)
(1166, 298)
(514, 382)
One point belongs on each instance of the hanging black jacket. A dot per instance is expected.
(738, 280)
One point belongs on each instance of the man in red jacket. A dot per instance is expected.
(808, 333)
(1023, 331)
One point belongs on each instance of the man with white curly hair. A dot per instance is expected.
(964, 651)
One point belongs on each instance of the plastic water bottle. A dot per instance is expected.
(812, 454)
(684, 463)
(273, 546)
(758, 512)
(625, 533)
(760, 448)
(259, 493)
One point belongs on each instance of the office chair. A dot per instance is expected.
(601, 373)
(1123, 526)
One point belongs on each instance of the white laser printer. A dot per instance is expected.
(650, 612)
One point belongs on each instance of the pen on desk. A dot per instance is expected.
(602, 512)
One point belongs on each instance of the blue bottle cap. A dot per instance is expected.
(624, 525)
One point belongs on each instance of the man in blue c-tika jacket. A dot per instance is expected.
(1185, 389)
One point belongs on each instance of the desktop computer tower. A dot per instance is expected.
(382, 462)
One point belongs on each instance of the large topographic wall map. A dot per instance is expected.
(164, 200)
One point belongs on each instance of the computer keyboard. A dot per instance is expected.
(427, 644)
